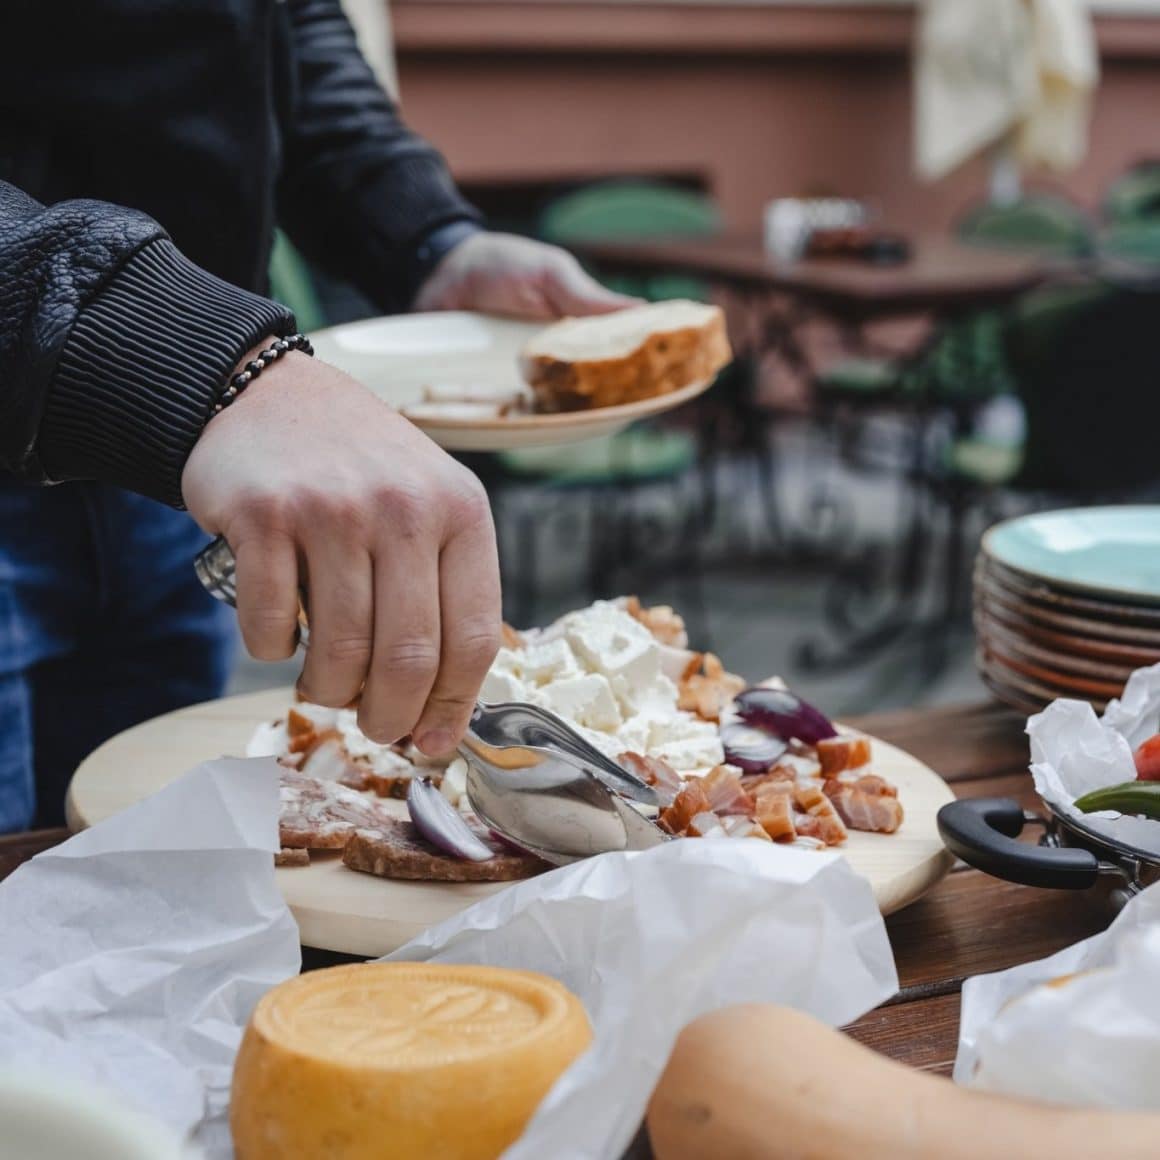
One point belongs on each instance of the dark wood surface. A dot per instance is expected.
(968, 925)
(940, 275)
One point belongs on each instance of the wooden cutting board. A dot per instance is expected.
(341, 910)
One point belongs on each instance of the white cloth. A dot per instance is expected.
(1020, 72)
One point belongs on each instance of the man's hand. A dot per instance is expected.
(318, 485)
(506, 274)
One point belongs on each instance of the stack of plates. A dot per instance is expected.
(1067, 604)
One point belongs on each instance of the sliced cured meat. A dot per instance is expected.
(870, 803)
(774, 810)
(778, 775)
(322, 815)
(289, 856)
(397, 850)
(725, 792)
(838, 753)
(654, 771)
(816, 816)
(327, 760)
(706, 825)
(738, 827)
(666, 625)
(690, 802)
(706, 688)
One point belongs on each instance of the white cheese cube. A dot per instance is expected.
(454, 783)
(608, 641)
(551, 661)
(499, 686)
(587, 700)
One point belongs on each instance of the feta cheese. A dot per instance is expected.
(586, 700)
(610, 642)
(551, 661)
(685, 742)
(500, 686)
(454, 783)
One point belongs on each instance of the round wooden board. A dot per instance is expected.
(341, 910)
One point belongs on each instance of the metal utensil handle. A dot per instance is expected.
(216, 568)
(983, 832)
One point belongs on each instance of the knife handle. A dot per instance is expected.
(216, 568)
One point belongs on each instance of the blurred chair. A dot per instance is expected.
(611, 211)
(1134, 197)
(609, 477)
(964, 358)
(292, 284)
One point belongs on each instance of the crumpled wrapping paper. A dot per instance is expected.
(650, 940)
(1091, 1039)
(135, 952)
(1073, 752)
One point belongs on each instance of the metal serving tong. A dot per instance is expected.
(531, 777)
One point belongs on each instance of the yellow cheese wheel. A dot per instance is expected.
(406, 1060)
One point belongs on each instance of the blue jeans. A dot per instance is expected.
(102, 625)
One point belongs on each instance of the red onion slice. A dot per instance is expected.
(782, 713)
(749, 747)
(441, 824)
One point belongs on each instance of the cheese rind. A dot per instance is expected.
(432, 1060)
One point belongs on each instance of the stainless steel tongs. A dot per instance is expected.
(531, 777)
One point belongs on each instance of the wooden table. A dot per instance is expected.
(942, 280)
(940, 276)
(968, 925)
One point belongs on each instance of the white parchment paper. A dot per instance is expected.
(135, 952)
(650, 940)
(1081, 1027)
(1073, 752)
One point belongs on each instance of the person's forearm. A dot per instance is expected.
(360, 193)
(113, 346)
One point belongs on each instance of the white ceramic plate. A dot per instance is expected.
(1107, 551)
(400, 356)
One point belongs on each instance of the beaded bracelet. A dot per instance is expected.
(258, 364)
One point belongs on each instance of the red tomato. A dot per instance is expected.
(1148, 759)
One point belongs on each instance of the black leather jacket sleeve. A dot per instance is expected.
(360, 192)
(113, 345)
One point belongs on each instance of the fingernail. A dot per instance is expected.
(436, 743)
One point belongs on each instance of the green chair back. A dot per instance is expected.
(292, 285)
(1046, 225)
(610, 211)
(1134, 197)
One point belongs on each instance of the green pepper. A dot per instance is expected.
(1133, 797)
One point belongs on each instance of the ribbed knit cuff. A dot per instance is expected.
(399, 214)
(141, 369)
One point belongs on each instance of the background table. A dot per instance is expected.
(967, 925)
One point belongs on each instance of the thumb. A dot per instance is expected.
(569, 289)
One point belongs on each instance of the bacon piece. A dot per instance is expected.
(817, 817)
(690, 802)
(706, 688)
(388, 785)
(706, 825)
(779, 774)
(654, 771)
(774, 812)
(870, 803)
(666, 626)
(838, 753)
(328, 761)
(725, 792)
(292, 856)
(738, 827)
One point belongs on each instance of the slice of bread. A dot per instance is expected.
(631, 354)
